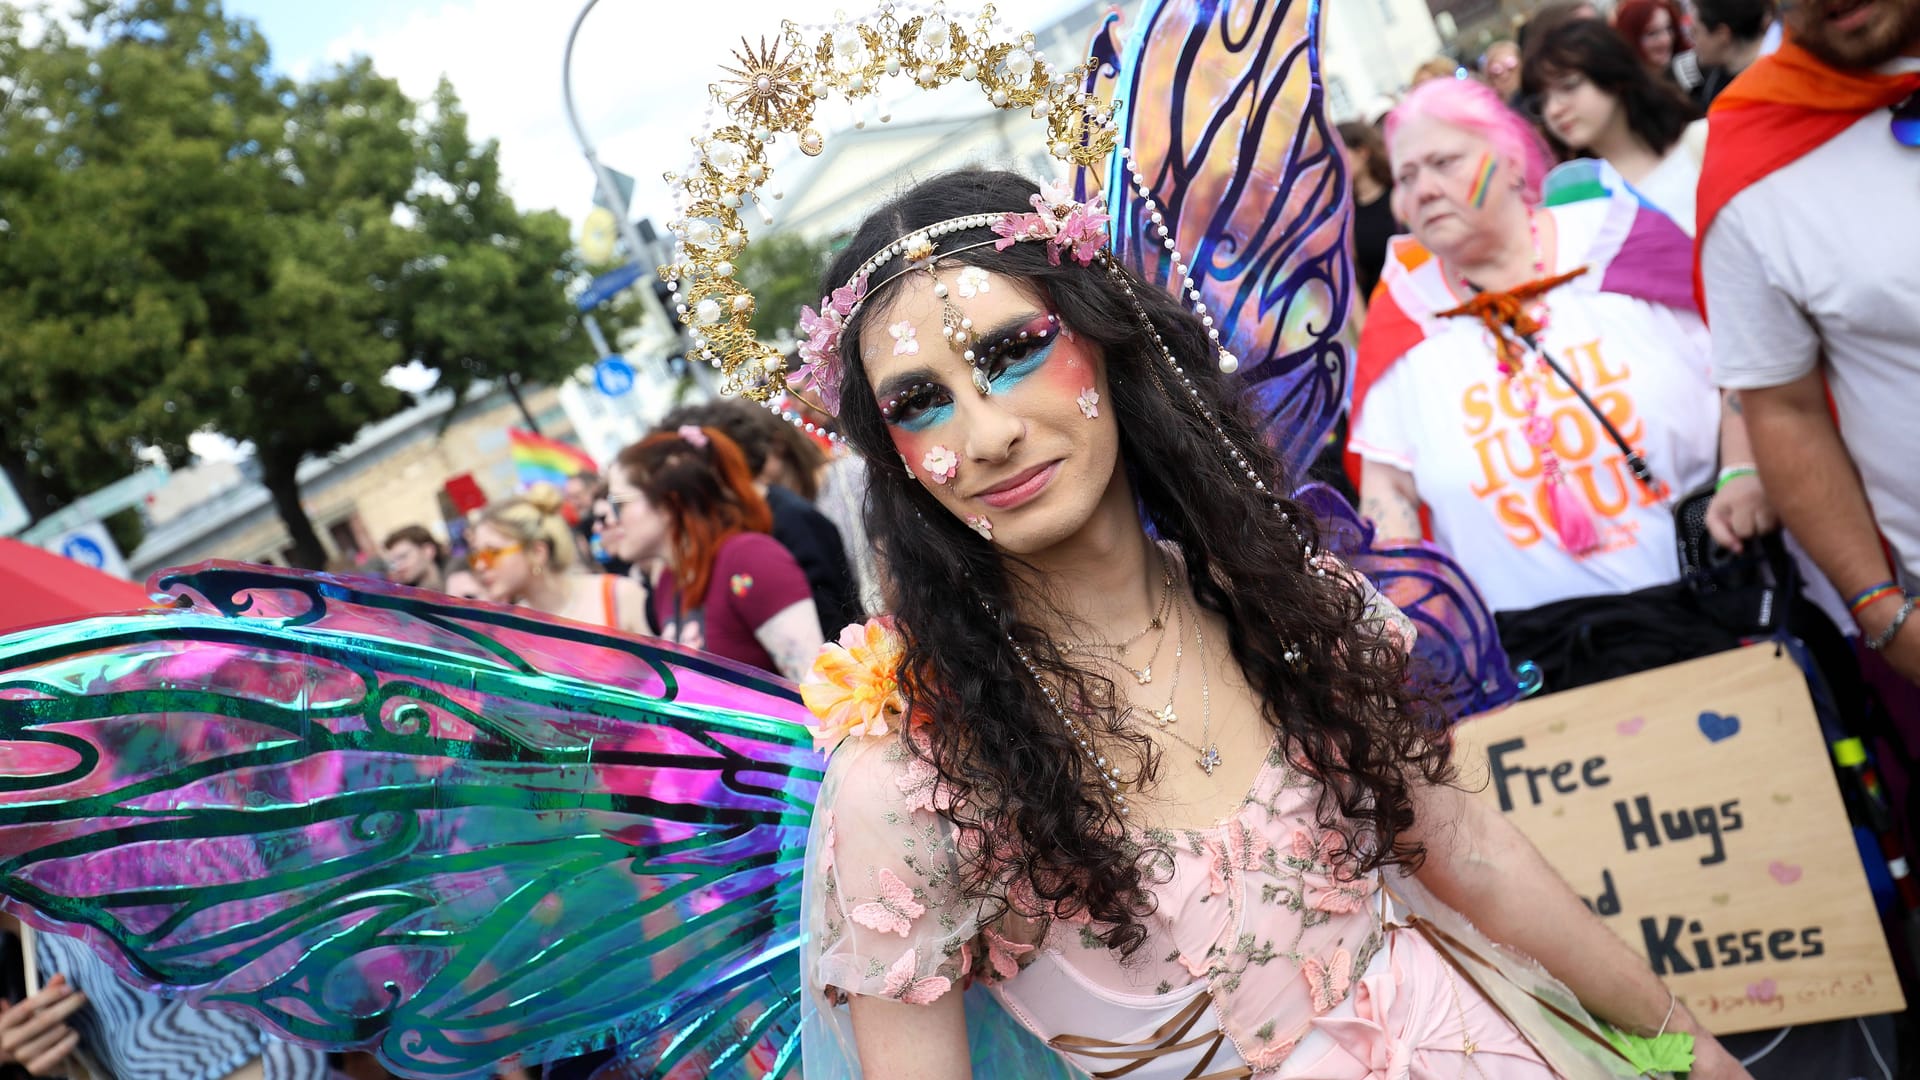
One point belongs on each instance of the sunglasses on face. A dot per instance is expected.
(485, 558)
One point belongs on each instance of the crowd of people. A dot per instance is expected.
(1616, 310)
(1631, 88)
(1627, 94)
(724, 529)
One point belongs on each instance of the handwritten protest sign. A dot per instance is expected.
(1694, 810)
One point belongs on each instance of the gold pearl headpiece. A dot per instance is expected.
(772, 93)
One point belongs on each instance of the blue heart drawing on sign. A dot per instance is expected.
(1716, 727)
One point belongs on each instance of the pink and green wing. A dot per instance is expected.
(443, 831)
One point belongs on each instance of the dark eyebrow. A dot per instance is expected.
(1003, 334)
(900, 382)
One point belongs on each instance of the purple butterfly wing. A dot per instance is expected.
(1457, 655)
(1224, 110)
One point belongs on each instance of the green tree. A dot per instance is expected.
(783, 272)
(194, 242)
(482, 295)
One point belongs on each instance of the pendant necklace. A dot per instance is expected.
(1118, 649)
(1165, 714)
(1208, 751)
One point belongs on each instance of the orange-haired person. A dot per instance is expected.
(684, 502)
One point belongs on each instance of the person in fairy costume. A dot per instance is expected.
(1130, 749)
(461, 822)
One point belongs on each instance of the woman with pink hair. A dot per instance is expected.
(1517, 349)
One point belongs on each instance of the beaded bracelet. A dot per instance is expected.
(1734, 472)
(1865, 598)
(1899, 619)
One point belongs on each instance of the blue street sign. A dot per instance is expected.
(613, 375)
(83, 550)
(607, 286)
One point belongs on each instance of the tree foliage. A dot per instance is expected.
(195, 242)
(783, 272)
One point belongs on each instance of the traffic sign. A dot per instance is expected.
(613, 375)
(90, 546)
(608, 285)
(84, 550)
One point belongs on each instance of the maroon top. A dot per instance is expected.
(754, 579)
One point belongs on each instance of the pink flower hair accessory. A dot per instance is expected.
(1065, 224)
(819, 377)
(1077, 229)
(693, 436)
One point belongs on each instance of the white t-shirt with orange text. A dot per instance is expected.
(1445, 414)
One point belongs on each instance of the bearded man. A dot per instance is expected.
(1809, 267)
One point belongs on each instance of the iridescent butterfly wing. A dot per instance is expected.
(443, 831)
(1223, 107)
(1457, 657)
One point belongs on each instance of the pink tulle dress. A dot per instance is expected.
(1264, 957)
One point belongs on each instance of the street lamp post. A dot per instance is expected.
(609, 191)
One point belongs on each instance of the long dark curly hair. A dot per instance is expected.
(1037, 815)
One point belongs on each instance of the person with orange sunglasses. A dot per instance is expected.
(523, 552)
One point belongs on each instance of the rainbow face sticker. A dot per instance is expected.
(1483, 180)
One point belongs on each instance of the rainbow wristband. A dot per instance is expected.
(1868, 597)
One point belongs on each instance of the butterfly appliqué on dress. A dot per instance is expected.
(1328, 982)
(894, 912)
(1005, 954)
(920, 786)
(903, 986)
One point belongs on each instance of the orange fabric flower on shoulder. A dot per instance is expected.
(854, 688)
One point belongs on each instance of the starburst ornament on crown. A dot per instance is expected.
(766, 83)
(774, 94)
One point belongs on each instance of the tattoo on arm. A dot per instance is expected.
(1395, 516)
(1733, 402)
(792, 638)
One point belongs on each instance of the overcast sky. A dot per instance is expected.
(640, 71)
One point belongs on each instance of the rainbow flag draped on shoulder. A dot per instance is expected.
(540, 460)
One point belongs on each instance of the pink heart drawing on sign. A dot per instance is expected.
(1784, 873)
(1763, 991)
(1631, 727)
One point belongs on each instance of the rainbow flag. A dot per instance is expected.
(540, 460)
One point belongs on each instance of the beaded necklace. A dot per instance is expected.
(1524, 308)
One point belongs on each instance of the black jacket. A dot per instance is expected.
(817, 547)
